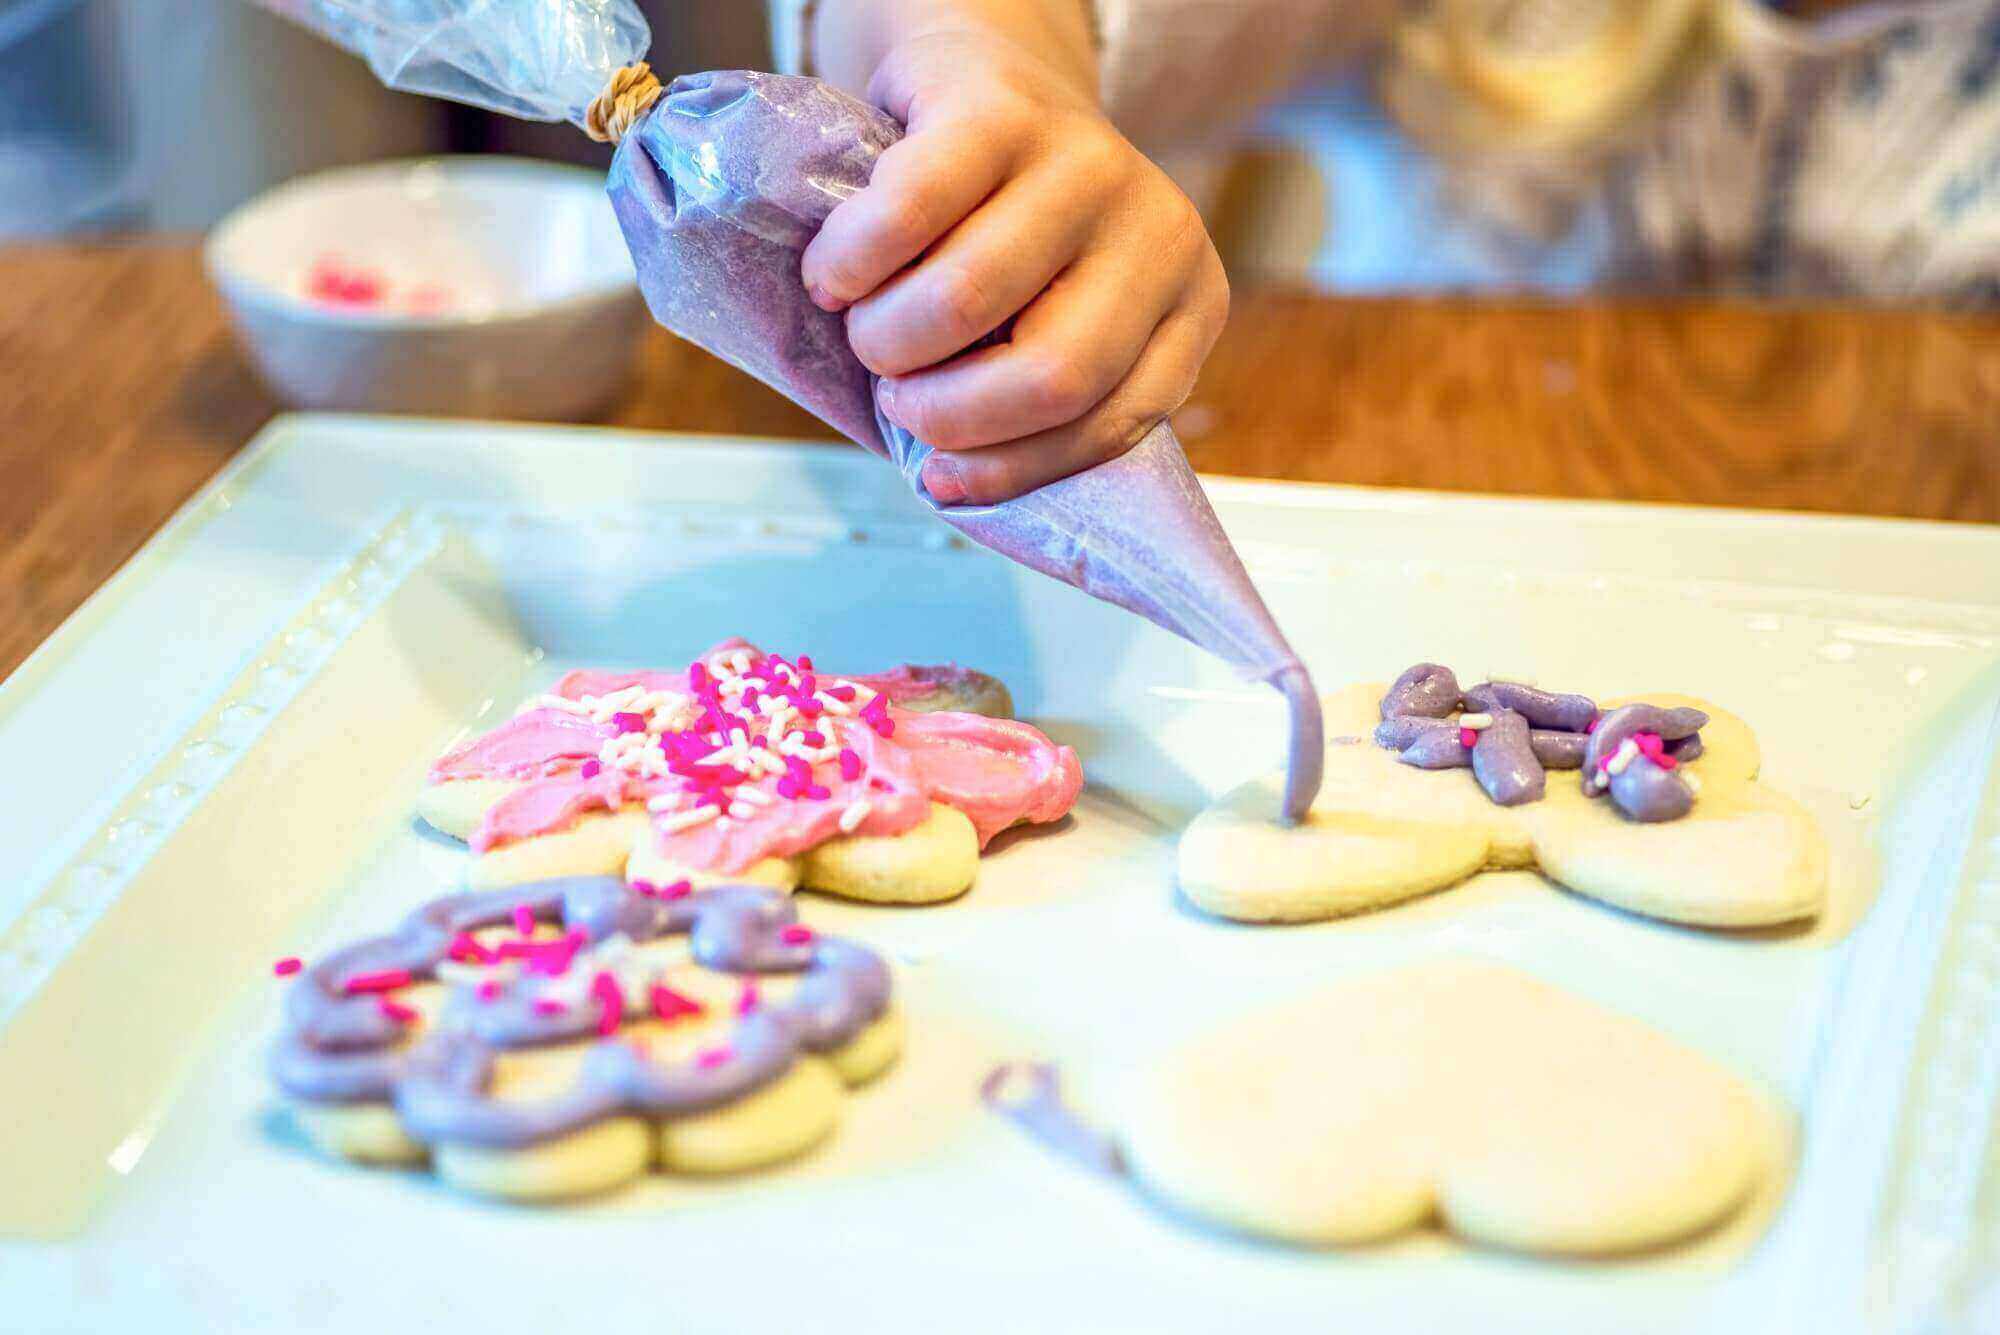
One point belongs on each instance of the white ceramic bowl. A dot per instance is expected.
(470, 286)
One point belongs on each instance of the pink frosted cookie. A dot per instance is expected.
(749, 767)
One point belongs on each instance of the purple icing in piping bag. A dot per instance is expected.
(718, 191)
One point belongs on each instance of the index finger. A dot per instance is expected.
(921, 188)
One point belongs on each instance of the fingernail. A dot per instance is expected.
(885, 399)
(942, 480)
(824, 299)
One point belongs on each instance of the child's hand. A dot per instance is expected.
(1013, 196)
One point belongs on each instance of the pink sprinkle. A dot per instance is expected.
(850, 764)
(712, 1058)
(805, 663)
(678, 890)
(645, 889)
(489, 990)
(1649, 744)
(548, 1006)
(670, 1005)
(808, 684)
(383, 980)
(397, 1011)
(1468, 738)
(798, 934)
(746, 1000)
(790, 788)
(819, 792)
(1665, 761)
(697, 676)
(1590, 726)
(287, 966)
(844, 694)
(628, 722)
(592, 768)
(611, 1003)
(813, 738)
(465, 948)
(524, 920)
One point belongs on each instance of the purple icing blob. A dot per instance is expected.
(1425, 691)
(1534, 731)
(1542, 709)
(1505, 764)
(721, 187)
(341, 1048)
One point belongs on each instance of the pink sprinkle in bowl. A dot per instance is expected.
(463, 286)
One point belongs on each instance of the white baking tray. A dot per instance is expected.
(212, 765)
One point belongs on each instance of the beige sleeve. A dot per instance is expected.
(1177, 73)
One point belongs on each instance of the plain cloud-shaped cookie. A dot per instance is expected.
(1382, 831)
(1513, 1113)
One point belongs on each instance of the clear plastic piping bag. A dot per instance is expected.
(718, 189)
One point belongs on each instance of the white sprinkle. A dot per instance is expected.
(1694, 784)
(1476, 722)
(1628, 751)
(851, 818)
(664, 802)
(741, 810)
(831, 705)
(686, 820)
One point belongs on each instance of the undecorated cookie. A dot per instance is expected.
(1385, 830)
(1514, 1114)
(559, 1039)
(749, 767)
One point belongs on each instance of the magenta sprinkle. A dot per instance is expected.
(592, 768)
(850, 764)
(697, 677)
(611, 1003)
(670, 1005)
(1590, 726)
(489, 990)
(746, 1000)
(805, 663)
(798, 934)
(678, 890)
(712, 1058)
(842, 693)
(382, 980)
(548, 1006)
(789, 788)
(819, 792)
(1665, 761)
(287, 966)
(524, 920)
(628, 722)
(1650, 744)
(813, 738)
(397, 1011)
(645, 890)
(1468, 738)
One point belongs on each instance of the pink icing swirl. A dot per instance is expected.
(890, 765)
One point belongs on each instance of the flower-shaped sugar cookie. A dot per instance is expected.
(1512, 1113)
(749, 767)
(557, 1039)
(1426, 785)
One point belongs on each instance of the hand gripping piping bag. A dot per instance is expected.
(719, 182)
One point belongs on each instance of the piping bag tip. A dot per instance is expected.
(1305, 759)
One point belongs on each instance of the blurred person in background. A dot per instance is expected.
(1691, 145)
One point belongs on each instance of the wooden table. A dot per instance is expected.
(121, 392)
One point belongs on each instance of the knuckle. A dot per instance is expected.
(964, 302)
(1062, 383)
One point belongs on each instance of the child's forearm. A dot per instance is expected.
(850, 37)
